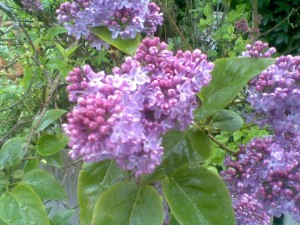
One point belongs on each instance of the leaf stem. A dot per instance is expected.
(222, 146)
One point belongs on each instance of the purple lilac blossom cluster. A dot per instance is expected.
(249, 211)
(269, 172)
(242, 26)
(268, 169)
(32, 5)
(122, 116)
(124, 18)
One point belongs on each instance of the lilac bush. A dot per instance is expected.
(123, 18)
(122, 116)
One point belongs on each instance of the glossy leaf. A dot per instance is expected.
(200, 143)
(173, 221)
(53, 160)
(94, 179)
(31, 165)
(129, 204)
(196, 195)
(62, 217)
(55, 31)
(227, 120)
(127, 46)
(22, 206)
(44, 185)
(229, 77)
(50, 116)
(49, 144)
(184, 147)
(2, 222)
(12, 152)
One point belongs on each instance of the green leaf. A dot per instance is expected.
(127, 46)
(229, 77)
(44, 185)
(22, 206)
(227, 120)
(3, 223)
(50, 116)
(93, 180)
(17, 174)
(230, 29)
(49, 144)
(70, 50)
(53, 160)
(185, 147)
(129, 204)
(31, 165)
(61, 50)
(62, 217)
(196, 195)
(54, 31)
(11, 152)
(200, 143)
(173, 221)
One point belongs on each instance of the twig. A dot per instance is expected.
(12, 130)
(22, 98)
(280, 23)
(220, 144)
(44, 109)
(169, 17)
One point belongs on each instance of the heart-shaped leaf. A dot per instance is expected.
(129, 204)
(196, 195)
(44, 185)
(22, 206)
(227, 120)
(94, 179)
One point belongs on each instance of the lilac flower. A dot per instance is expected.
(274, 95)
(259, 50)
(242, 25)
(123, 18)
(32, 5)
(267, 169)
(122, 116)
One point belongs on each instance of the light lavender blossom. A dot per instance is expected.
(274, 95)
(124, 18)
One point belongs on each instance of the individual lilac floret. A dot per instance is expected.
(274, 95)
(248, 211)
(259, 50)
(269, 171)
(123, 18)
(32, 5)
